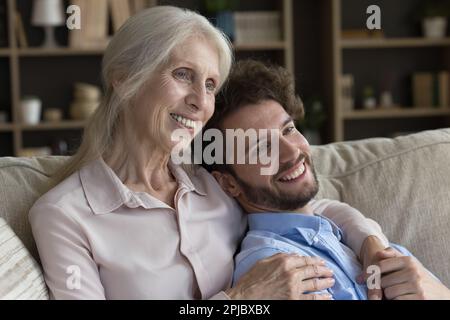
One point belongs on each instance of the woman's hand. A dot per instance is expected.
(405, 278)
(284, 276)
(369, 257)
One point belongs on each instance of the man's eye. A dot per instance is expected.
(210, 86)
(182, 74)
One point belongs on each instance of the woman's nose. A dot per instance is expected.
(197, 98)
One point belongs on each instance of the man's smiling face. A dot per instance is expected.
(295, 183)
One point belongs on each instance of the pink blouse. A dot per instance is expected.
(97, 239)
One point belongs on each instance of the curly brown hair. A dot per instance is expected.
(251, 82)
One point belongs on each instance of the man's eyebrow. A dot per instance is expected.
(285, 122)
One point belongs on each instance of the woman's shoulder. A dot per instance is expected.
(65, 194)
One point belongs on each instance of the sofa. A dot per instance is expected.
(402, 183)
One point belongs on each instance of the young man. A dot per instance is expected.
(283, 217)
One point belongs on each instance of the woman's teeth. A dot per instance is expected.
(295, 174)
(188, 123)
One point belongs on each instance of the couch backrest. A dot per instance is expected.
(402, 183)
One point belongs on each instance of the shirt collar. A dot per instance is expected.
(105, 192)
(192, 182)
(284, 223)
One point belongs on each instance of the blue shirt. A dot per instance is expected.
(315, 236)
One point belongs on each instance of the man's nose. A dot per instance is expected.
(289, 152)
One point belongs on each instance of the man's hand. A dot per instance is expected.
(405, 278)
(368, 257)
(284, 276)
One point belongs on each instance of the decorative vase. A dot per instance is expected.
(31, 110)
(434, 27)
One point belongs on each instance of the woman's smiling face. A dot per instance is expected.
(180, 95)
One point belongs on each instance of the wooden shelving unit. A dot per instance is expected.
(61, 125)
(393, 43)
(261, 46)
(37, 52)
(409, 112)
(343, 53)
(6, 127)
(19, 57)
(5, 52)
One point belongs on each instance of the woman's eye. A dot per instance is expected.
(182, 74)
(290, 129)
(210, 86)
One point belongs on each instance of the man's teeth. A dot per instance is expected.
(188, 123)
(295, 174)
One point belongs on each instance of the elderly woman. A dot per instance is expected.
(125, 222)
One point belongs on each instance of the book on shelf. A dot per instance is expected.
(257, 27)
(94, 25)
(431, 89)
(422, 89)
(76, 35)
(136, 6)
(95, 20)
(120, 12)
(20, 31)
(347, 89)
(139, 5)
(444, 89)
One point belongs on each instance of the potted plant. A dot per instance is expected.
(434, 14)
(314, 118)
(221, 14)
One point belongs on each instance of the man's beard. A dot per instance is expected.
(269, 198)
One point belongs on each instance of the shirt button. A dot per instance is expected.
(315, 239)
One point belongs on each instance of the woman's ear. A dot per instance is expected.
(228, 183)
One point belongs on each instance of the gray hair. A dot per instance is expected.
(139, 47)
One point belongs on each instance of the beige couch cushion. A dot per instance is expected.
(20, 276)
(402, 183)
(22, 181)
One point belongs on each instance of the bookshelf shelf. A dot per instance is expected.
(280, 45)
(5, 52)
(63, 51)
(67, 51)
(396, 113)
(6, 127)
(393, 43)
(53, 125)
